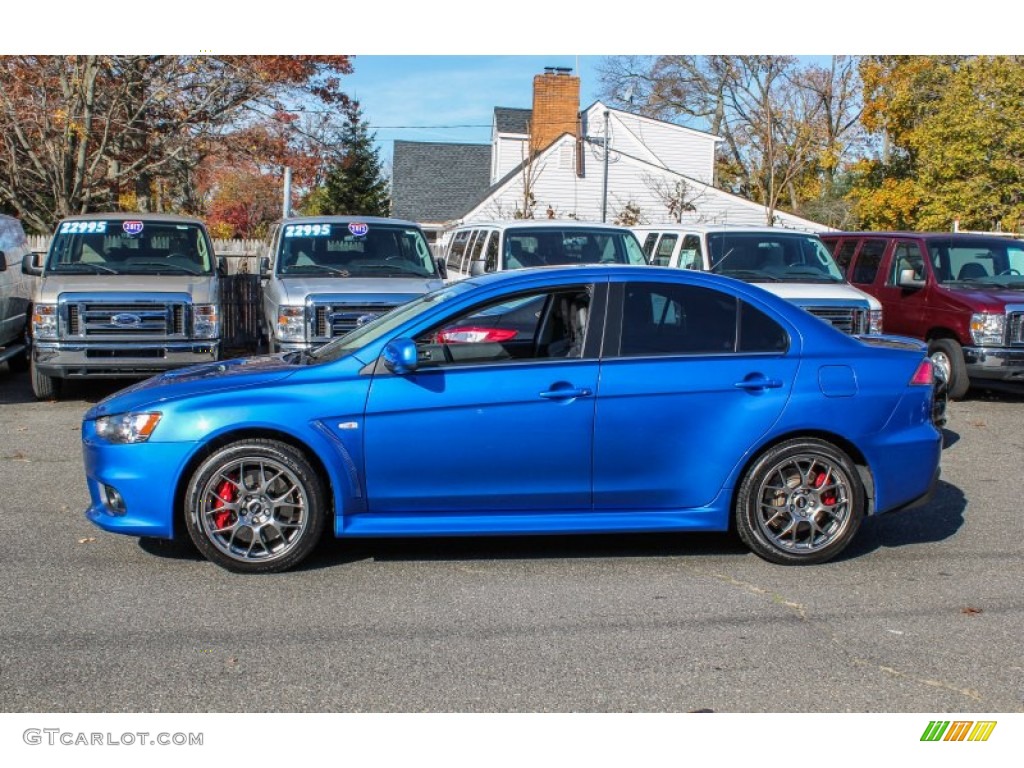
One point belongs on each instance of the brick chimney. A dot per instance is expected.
(556, 106)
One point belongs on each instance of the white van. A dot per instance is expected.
(481, 247)
(15, 293)
(792, 264)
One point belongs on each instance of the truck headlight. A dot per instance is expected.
(127, 427)
(987, 329)
(205, 321)
(44, 321)
(291, 324)
(874, 322)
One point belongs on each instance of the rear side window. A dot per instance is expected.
(649, 242)
(690, 255)
(843, 254)
(457, 250)
(663, 255)
(868, 261)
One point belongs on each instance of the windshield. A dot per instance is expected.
(788, 257)
(354, 250)
(551, 246)
(979, 262)
(383, 324)
(134, 247)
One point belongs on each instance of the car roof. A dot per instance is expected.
(928, 235)
(541, 224)
(170, 218)
(720, 228)
(347, 219)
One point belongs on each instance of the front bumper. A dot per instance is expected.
(66, 360)
(998, 364)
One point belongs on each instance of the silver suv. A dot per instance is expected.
(123, 295)
(325, 275)
(15, 289)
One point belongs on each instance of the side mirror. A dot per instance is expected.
(222, 265)
(264, 266)
(442, 268)
(401, 356)
(908, 279)
(476, 267)
(32, 264)
(3, 262)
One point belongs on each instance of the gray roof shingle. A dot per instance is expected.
(437, 181)
(509, 120)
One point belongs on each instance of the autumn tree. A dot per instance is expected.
(354, 183)
(949, 143)
(85, 133)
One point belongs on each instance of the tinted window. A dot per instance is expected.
(549, 246)
(868, 261)
(660, 319)
(649, 242)
(690, 256)
(492, 253)
(540, 325)
(663, 256)
(457, 250)
(759, 333)
(772, 256)
(844, 254)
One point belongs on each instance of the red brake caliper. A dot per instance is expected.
(830, 497)
(226, 494)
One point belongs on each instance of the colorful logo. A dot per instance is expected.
(958, 730)
(132, 228)
(358, 229)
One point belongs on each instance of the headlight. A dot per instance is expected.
(988, 330)
(291, 323)
(205, 321)
(44, 321)
(874, 321)
(127, 427)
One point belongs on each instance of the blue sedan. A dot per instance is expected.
(557, 400)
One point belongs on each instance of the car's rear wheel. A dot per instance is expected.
(801, 502)
(948, 355)
(255, 506)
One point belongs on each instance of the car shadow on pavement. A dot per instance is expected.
(937, 520)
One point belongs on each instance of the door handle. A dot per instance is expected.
(566, 394)
(757, 383)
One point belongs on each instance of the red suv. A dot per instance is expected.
(962, 293)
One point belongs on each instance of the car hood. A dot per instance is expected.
(202, 288)
(199, 379)
(390, 290)
(811, 294)
(986, 294)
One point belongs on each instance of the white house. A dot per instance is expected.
(550, 162)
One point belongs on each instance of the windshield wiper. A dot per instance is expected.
(163, 265)
(91, 266)
(748, 274)
(398, 268)
(314, 269)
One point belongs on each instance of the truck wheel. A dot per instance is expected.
(44, 387)
(949, 355)
(255, 506)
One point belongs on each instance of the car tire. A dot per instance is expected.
(44, 387)
(949, 355)
(255, 506)
(801, 502)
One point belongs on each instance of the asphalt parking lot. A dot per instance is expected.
(923, 613)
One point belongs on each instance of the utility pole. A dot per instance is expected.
(287, 203)
(604, 188)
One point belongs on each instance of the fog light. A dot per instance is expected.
(113, 500)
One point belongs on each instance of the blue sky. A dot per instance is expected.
(398, 92)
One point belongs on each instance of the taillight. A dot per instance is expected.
(472, 334)
(924, 374)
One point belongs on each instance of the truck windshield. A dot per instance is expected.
(789, 257)
(989, 261)
(548, 246)
(353, 250)
(130, 247)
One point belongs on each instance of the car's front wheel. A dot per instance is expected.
(801, 502)
(255, 506)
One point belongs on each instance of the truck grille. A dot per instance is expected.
(99, 319)
(332, 320)
(1015, 327)
(849, 320)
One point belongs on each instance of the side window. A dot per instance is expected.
(906, 256)
(665, 319)
(868, 261)
(649, 242)
(491, 256)
(663, 255)
(537, 325)
(759, 333)
(843, 254)
(457, 249)
(690, 256)
(476, 252)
